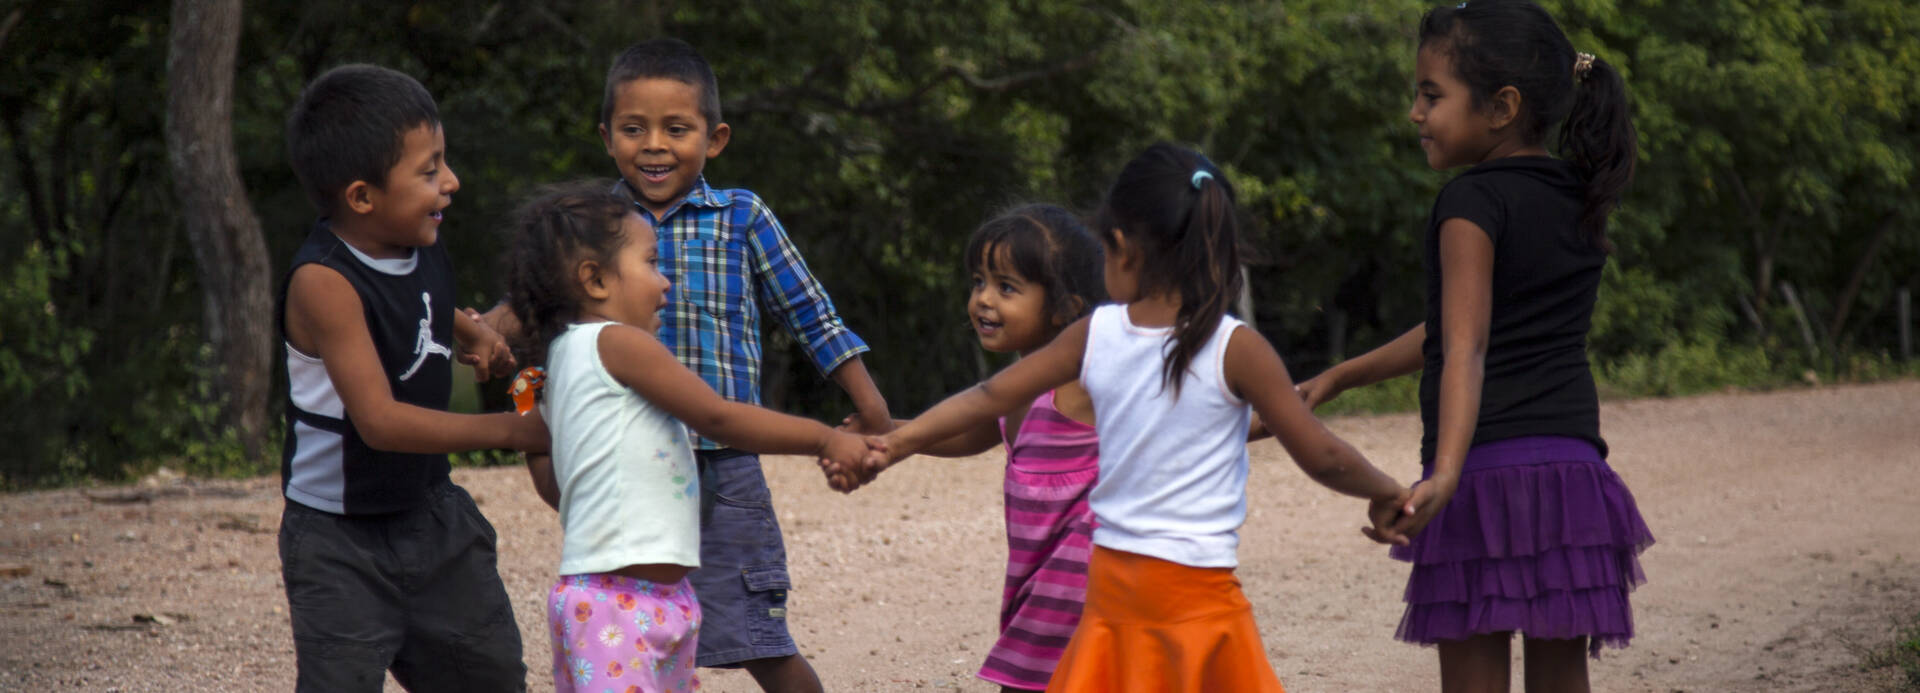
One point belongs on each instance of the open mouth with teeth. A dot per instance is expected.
(434, 215)
(985, 326)
(655, 174)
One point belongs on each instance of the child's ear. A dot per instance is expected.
(1504, 108)
(717, 139)
(359, 196)
(606, 138)
(1076, 305)
(1123, 251)
(592, 282)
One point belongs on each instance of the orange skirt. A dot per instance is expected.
(1154, 625)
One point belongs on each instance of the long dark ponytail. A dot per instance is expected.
(1598, 137)
(562, 225)
(1177, 209)
(1500, 43)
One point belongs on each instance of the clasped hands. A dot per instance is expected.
(849, 467)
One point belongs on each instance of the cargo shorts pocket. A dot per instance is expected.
(767, 587)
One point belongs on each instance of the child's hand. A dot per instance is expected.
(1316, 391)
(841, 458)
(484, 349)
(1382, 512)
(1426, 500)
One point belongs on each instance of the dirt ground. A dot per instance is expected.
(1786, 524)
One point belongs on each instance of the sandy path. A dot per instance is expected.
(1786, 524)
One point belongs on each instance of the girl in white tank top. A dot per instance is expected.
(586, 287)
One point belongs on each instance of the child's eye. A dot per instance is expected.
(630, 130)
(678, 130)
(1006, 288)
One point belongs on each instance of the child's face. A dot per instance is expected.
(406, 211)
(1452, 131)
(635, 290)
(1008, 312)
(659, 140)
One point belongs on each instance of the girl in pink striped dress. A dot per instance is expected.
(1036, 270)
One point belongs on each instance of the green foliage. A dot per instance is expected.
(1779, 143)
(1400, 394)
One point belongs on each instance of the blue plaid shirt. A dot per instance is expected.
(727, 256)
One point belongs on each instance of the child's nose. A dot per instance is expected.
(452, 183)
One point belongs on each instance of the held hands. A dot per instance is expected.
(484, 349)
(1382, 512)
(1317, 390)
(1396, 521)
(842, 459)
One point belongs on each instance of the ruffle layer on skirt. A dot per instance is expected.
(1549, 549)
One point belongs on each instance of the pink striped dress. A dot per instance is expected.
(1051, 466)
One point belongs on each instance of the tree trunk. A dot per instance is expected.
(1859, 277)
(231, 255)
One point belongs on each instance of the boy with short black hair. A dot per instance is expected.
(726, 255)
(387, 563)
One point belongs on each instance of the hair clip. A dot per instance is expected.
(1582, 63)
(1200, 176)
(1460, 6)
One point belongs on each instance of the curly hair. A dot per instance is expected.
(560, 227)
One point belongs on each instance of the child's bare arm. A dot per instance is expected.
(973, 441)
(638, 360)
(1391, 360)
(1054, 365)
(540, 467)
(851, 375)
(1256, 373)
(324, 320)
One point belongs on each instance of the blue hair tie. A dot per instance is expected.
(1198, 176)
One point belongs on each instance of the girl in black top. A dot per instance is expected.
(1540, 535)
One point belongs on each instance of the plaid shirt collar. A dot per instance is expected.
(700, 195)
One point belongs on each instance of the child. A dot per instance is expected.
(1540, 536)
(1164, 611)
(586, 287)
(388, 564)
(724, 249)
(1036, 270)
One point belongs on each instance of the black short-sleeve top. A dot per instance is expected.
(1546, 277)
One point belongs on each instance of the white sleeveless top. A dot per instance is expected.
(1173, 471)
(629, 491)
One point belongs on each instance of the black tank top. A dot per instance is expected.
(409, 313)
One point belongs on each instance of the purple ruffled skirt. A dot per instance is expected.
(1541, 537)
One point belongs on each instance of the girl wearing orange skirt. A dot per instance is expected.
(1174, 380)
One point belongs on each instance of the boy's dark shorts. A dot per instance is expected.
(417, 592)
(742, 580)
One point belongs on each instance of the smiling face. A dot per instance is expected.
(630, 289)
(659, 140)
(1453, 131)
(405, 212)
(1008, 311)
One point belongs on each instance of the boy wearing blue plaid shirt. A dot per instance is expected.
(727, 258)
